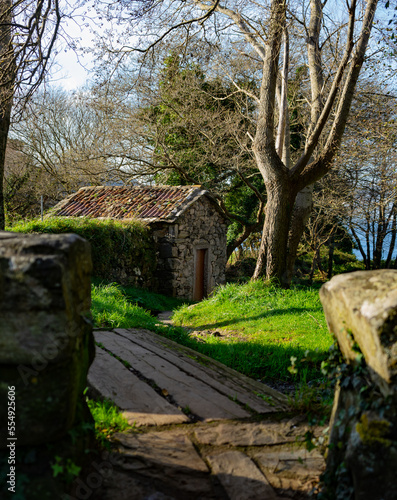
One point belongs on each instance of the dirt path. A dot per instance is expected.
(201, 430)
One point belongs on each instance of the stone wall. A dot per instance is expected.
(200, 227)
(361, 312)
(46, 348)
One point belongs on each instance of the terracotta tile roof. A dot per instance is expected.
(143, 202)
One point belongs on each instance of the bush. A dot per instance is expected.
(118, 248)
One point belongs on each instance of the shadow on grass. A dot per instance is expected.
(255, 359)
(267, 314)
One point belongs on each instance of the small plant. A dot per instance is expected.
(107, 417)
(266, 398)
(186, 410)
(65, 468)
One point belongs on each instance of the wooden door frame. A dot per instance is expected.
(201, 264)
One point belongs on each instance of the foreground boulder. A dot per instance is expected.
(46, 348)
(361, 312)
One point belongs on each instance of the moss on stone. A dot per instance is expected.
(372, 432)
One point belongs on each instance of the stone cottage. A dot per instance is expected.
(187, 227)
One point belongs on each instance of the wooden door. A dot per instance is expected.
(199, 291)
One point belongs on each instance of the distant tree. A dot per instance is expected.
(199, 129)
(71, 139)
(24, 185)
(28, 30)
(326, 227)
(368, 163)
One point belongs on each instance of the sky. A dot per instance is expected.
(71, 68)
(70, 72)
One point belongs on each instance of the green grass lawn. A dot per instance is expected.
(266, 332)
(262, 327)
(115, 306)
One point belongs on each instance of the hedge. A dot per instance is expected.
(121, 251)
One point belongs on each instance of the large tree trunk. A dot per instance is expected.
(4, 127)
(302, 210)
(273, 249)
(283, 183)
(7, 77)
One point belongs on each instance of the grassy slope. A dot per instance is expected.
(268, 326)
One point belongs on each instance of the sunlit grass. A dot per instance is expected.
(107, 417)
(111, 309)
(262, 327)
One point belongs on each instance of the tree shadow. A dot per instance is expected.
(267, 314)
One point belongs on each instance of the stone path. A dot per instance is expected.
(200, 430)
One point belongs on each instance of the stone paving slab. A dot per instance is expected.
(141, 404)
(256, 395)
(234, 459)
(250, 434)
(188, 392)
(240, 477)
(291, 469)
(168, 457)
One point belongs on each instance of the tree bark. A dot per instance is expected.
(393, 236)
(301, 213)
(4, 127)
(6, 93)
(273, 248)
(304, 200)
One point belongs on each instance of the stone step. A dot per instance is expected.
(189, 393)
(141, 404)
(250, 434)
(240, 477)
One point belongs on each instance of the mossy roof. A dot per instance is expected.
(149, 203)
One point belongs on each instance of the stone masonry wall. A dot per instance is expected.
(200, 227)
(46, 348)
(361, 312)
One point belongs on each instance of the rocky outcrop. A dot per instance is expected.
(361, 311)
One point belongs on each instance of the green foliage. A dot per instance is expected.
(113, 306)
(200, 127)
(344, 262)
(65, 468)
(111, 241)
(107, 417)
(151, 301)
(262, 326)
(111, 309)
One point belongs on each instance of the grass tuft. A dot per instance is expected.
(108, 418)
